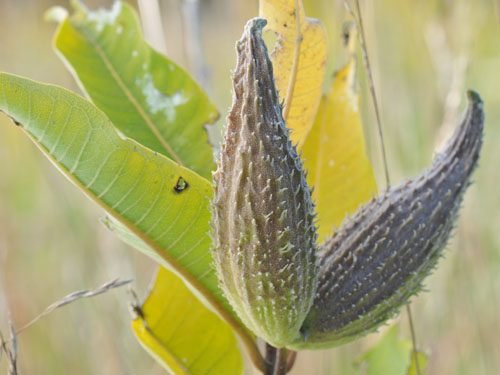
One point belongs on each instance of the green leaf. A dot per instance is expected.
(94, 44)
(182, 334)
(389, 356)
(392, 356)
(146, 96)
(163, 205)
(137, 88)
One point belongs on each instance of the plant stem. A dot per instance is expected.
(278, 360)
(281, 364)
(413, 339)
(384, 155)
(270, 359)
(374, 96)
(364, 49)
(292, 355)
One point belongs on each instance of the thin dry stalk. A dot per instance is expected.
(413, 340)
(76, 296)
(13, 345)
(362, 41)
(10, 351)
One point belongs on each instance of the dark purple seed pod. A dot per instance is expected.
(380, 256)
(263, 230)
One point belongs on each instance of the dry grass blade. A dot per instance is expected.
(75, 296)
(13, 348)
(10, 353)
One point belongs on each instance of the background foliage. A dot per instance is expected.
(424, 55)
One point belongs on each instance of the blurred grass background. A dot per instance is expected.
(424, 55)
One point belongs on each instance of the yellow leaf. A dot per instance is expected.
(182, 334)
(422, 359)
(335, 155)
(281, 18)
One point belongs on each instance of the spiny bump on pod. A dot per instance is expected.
(265, 261)
(379, 257)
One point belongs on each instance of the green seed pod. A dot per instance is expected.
(380, 256)
(263, 230)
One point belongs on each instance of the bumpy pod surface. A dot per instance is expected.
(264, 236)
(380, 256)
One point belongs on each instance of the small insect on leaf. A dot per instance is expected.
(181, 185)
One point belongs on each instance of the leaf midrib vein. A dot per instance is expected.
(134, 101)
(169, 352)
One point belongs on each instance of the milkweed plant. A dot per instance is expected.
(246, 239)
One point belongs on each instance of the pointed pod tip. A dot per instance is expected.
(474, 98)
(474, 116)
(255, 25)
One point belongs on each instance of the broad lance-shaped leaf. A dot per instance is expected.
(335, 155)
(94, 45)
(310, 61)
(175, 327)
(148, 110)
(146, 96)
(264, 239)
(380, 256)
(163, 206)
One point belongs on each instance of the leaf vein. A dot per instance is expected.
(134, 101)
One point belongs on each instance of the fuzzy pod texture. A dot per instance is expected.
(263, 221)
(379, 257)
